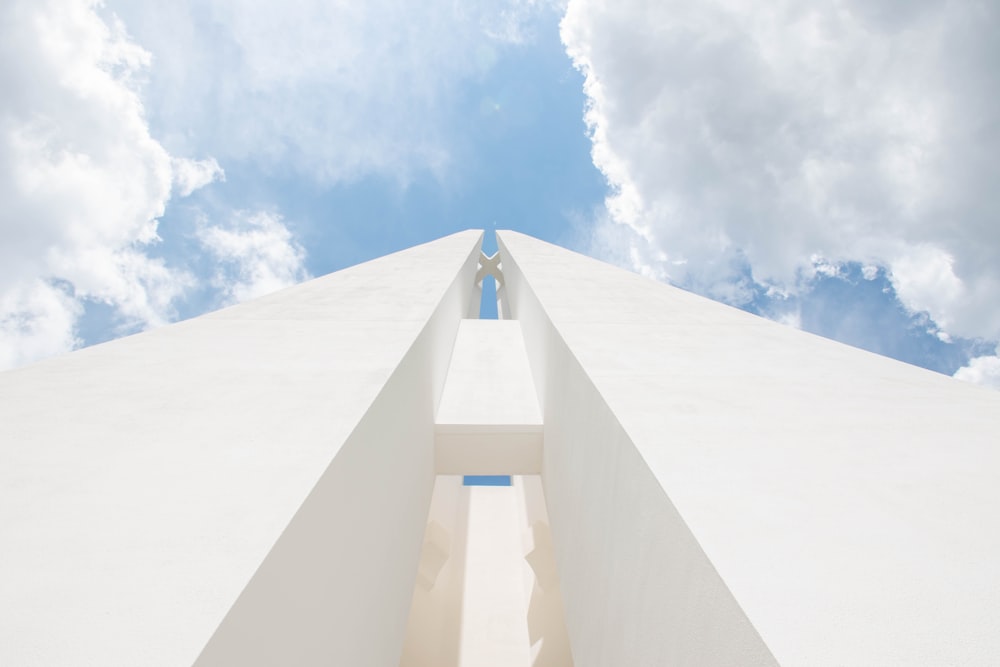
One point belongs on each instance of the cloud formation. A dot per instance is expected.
(82, 180)
(984, 370)
(256, 255)
(748, 144)
(191, 175)
(103, 126)
(37, 320)
(329, 90)
(321, 92)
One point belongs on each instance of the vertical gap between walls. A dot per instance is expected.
(488, 306)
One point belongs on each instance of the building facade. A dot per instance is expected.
(281, 483)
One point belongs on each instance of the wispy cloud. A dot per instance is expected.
(191, 175)
(255, 254)
(329, 91)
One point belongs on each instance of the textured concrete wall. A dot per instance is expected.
(705, 468)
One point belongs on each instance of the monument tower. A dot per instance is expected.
(293, 481)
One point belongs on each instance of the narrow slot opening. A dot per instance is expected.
(486, 480)
(488, 305)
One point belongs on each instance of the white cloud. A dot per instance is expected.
(328, 90)
(983, 370)
(95, 123)
(36, 321)
(791, 318)
(82, 180)
(257, 255)
(748, 135)
(190, 175)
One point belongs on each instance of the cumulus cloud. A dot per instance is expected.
(749, 146)
(82, 180)
(256, 255)
(330, 91)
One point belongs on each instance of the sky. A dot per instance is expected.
(830, 165)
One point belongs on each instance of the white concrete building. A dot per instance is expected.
(279, 483)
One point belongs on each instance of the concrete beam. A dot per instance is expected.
(488, 422)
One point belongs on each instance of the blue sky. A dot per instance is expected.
(828, 165)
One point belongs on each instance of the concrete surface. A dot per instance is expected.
(727, 490)
(259, 486)
(144, 481)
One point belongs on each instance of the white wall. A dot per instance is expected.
(706, 470)
(144, 481)
(722, 489)
(637, 588)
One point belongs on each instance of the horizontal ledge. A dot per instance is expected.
(489, 428)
